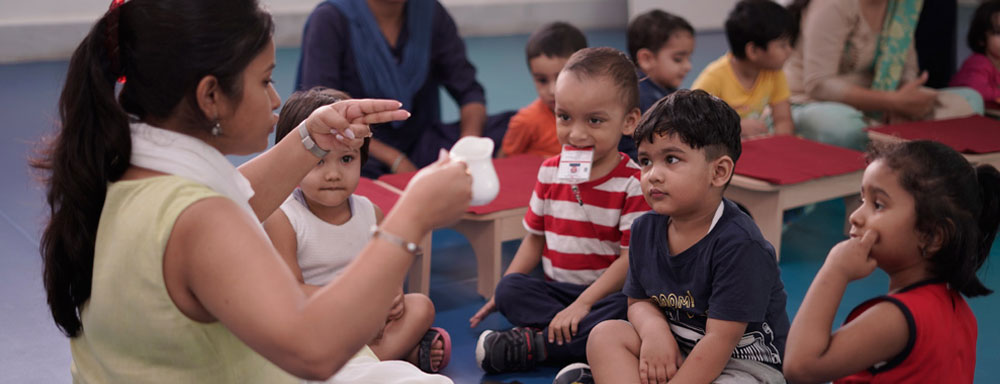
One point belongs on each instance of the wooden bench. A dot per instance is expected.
(488, 226)
(777, 173)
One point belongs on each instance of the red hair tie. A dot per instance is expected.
(111, 39)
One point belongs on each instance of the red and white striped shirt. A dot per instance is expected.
(585, 227)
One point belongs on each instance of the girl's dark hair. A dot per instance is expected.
(163, 48)
(301, 104)
(982, 23)
(953, 199)
(797, 8)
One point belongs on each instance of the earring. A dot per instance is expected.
(216, 129)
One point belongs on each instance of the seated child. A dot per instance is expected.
(750, 76)
(928, 219)
(661, 45)
(981, 71)
(533, 128)
(322, 211)
(705, 297)
(578, 224)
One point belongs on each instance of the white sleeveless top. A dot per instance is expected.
(324, 249)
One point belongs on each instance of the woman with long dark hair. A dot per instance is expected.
(156, 265)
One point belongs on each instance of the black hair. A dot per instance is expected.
(699, 119)
(953, 199)
(982, 24)
(653, 29)
(610, 62)
(797, 8)
(757, 22)
(163, 48)
(556, 39)
(301, 104)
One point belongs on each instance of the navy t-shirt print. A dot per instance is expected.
(730, 274)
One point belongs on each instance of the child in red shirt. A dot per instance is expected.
(928, 219)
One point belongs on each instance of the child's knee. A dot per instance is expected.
(610, 333)
(509, 288)
(832, 123)
(420, 307)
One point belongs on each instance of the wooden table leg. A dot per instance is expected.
(420, 271)
(486, 242)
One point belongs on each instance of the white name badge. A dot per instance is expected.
(574, 164)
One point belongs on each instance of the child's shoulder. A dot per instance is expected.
(736, 230)
(535, 113)
(977, 60)
(650, 222)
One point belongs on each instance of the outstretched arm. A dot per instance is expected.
(277, 171)
(473, 119)
(528, 255)
(223, 267)
(563, 326)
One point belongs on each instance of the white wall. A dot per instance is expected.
(32, 30)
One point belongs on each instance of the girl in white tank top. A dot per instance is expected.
(322, 227)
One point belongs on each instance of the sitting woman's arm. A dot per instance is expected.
(825, 33)
(220, 266)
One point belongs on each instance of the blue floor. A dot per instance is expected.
(33, 351)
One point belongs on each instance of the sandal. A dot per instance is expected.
(427, 342)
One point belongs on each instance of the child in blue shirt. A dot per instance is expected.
(706, 302)
(660, 44)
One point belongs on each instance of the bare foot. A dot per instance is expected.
(437, 355)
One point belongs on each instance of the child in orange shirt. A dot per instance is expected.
(533, 128)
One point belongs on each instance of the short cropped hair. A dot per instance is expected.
(653, 29)
(699, 119)
(610, 62)
(301, 104)
(758, 22)
(556, 39)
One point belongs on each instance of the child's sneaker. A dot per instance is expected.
(516, 349)
(576, 373)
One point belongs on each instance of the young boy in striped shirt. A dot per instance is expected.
(578, 223)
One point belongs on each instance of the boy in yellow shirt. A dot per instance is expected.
(749, 78)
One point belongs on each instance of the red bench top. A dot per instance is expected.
(789, 160)
(974, 134)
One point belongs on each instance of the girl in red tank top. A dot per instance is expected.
(928, 219)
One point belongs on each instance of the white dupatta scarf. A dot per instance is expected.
(188, 157)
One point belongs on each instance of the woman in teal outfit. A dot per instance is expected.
(855, 65)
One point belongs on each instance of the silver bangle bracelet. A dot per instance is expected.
(409, 246)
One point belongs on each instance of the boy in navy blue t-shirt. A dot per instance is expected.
(706, 302)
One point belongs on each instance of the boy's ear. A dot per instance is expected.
(209, 97)
(722, 170)
(645, 59)
(631, 121)
(751, 51)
